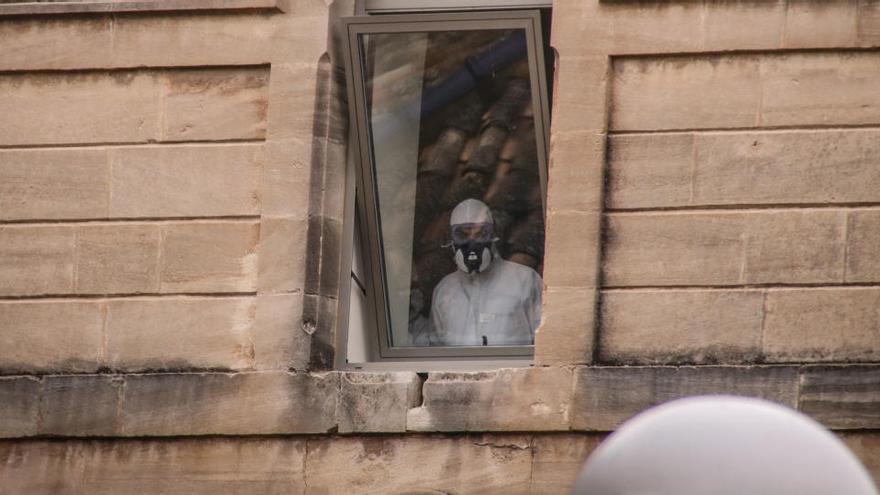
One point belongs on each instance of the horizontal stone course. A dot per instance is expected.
(605, 397)
(671, 326)
(803, 246)
(133, 106)
(742, 91)
(743, 168)
(279, 402)
(129, 258)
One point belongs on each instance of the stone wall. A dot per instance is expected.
(171, 191)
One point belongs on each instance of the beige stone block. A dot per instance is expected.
(19, 406)
(80, 405)
(42, 336)
(193, 39)
(207, 466)
(215, 104)
(573, 257)
(580, 97)
(650, 170)
(186, 181)
(41, 467)
(672, 327)
(566, 334)
(868, 26)
(376, 402)
(280, 343)
(36, 260)
(488, 464)
(822, 325)
(576, 168)
(53, 184)
(842, 397)
(820, 88)
(866, 446)
(209, 256)
(180, 333)
(787, 167)
(286, 178)
(723, 24)
(229, 404)
(605, 397)
(700, 92)
(78, 107)
(512, 399)
(282, 254)
(803, 246)
(293, 89)
(117, 259)
(811, 24)
(674, 249)
(41, 43)
(557, 460)
(863, 241)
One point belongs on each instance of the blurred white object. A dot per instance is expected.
(720, 445)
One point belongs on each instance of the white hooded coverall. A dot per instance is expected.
(499, 306)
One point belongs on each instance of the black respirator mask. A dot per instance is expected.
(472, 245)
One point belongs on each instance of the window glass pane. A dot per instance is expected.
(457, 185)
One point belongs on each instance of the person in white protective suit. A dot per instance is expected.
(488, 300)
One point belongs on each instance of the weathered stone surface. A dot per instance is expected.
(22, 8)
(209, 256)
(78, 107)
(566, 334)
(185, 181)
(44, 336)
(574, 257)
(868, 27)
(821, 24)
(557, 459)
(193, 466)
(117, 259)
(606, 397)
(215, 104)
(492, 464)
(771, 167)
(180, 333)
(576, 158)
(280, 343)
(513, 399)
(723, 24)
(80, 405)
(828, 324)
(19, 407)
(674, 249)
(672, 326)
(39, 43)
(821, 88)
(863, 239)
(281, 253)
(285, 184)
(229, 404)
(376, 402)
(685, 93)
(795, 247)
(649, 170)
(53, 184)
(36, 260)
(580, 93)
(842, 397)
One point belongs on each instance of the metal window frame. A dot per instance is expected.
(364, 173)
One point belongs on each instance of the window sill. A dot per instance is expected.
(422, 366)
(114, 6)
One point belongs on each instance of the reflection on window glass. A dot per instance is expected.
(457, 181)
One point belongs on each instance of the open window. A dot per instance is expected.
(450, 118)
